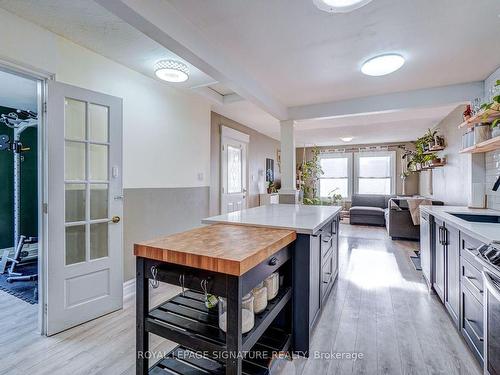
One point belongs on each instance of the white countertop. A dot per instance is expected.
(485, 232)
(303, 219)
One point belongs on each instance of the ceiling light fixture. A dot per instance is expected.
(382, 64)
(171, 71)
(340, 6)
(346, 139)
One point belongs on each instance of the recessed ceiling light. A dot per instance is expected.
(171, 71)
(346, 139)
(340, 6)
(383, 64)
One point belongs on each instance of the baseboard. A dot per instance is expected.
(129, 287)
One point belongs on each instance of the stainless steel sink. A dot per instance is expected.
(473, 218)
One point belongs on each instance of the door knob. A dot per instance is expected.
(115, 219)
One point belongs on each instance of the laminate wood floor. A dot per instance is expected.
(379, 307)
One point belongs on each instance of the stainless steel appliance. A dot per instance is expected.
(491, 278)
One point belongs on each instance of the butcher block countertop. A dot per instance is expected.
(224, 248)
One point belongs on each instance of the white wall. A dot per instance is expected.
(450, 184)
(492, 157)
(166, 130)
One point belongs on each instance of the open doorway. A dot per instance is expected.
(19, 199)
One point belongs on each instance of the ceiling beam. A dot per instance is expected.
(432, 97)
(160, 21)
(215, 97)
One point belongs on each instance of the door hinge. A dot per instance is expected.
(222, 147)
(45, 308)
(44, 107)
(45, 208)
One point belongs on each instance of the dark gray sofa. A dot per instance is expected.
(369, 209)
(399, 222)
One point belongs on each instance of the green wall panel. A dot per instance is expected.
(29, 186)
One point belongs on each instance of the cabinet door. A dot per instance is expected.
(439, 259)
(425, 248)
(452, 290)
(314, 279)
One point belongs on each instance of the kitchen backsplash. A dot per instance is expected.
(492, 172)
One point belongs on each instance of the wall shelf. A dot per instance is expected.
(477, 119)
(434, 150)
(489, 145)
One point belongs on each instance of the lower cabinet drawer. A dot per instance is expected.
(326, 246)
(327, 275)
(472, 323)
(472, 278)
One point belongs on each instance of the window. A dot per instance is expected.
(375, 173)
(337, 170)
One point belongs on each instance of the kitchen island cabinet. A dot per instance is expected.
(315, 255)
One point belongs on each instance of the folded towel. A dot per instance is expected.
(414, 207)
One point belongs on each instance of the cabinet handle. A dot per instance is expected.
(273, 261)
(480, 338)
(469, 279)
(440, 235)
(334, 227)
(445, 236)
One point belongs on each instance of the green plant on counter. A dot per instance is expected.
(335, 198)
(310, 172)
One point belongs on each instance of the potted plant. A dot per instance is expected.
(310, 172)
(335, 197)
(495, 128)
(494, 104)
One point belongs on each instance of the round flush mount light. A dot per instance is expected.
(346, 139)
(382, 65)
(171, 71)
(340, 6)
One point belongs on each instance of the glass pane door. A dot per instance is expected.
(234, 174)
(86, 175)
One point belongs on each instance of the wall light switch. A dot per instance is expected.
(200, 176)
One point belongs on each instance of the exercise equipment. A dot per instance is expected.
(18, 121)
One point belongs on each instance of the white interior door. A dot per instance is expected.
(234, 147)
(84, 258)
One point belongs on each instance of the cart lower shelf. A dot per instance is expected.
(258, 361)
(184, 319)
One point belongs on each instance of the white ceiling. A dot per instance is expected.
(87, 23)
(17, 92)
(303, 55)
(398, 126)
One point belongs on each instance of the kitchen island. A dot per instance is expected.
(228, 260)
(315, 255)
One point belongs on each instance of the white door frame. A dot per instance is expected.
(41, 78)
(227, 132)
(68, 303)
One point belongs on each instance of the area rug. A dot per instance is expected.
(416, 261)
(25, 290)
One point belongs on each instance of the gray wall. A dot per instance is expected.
(150, 213)
(412, 185)
(451, 183)
(259, 148)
